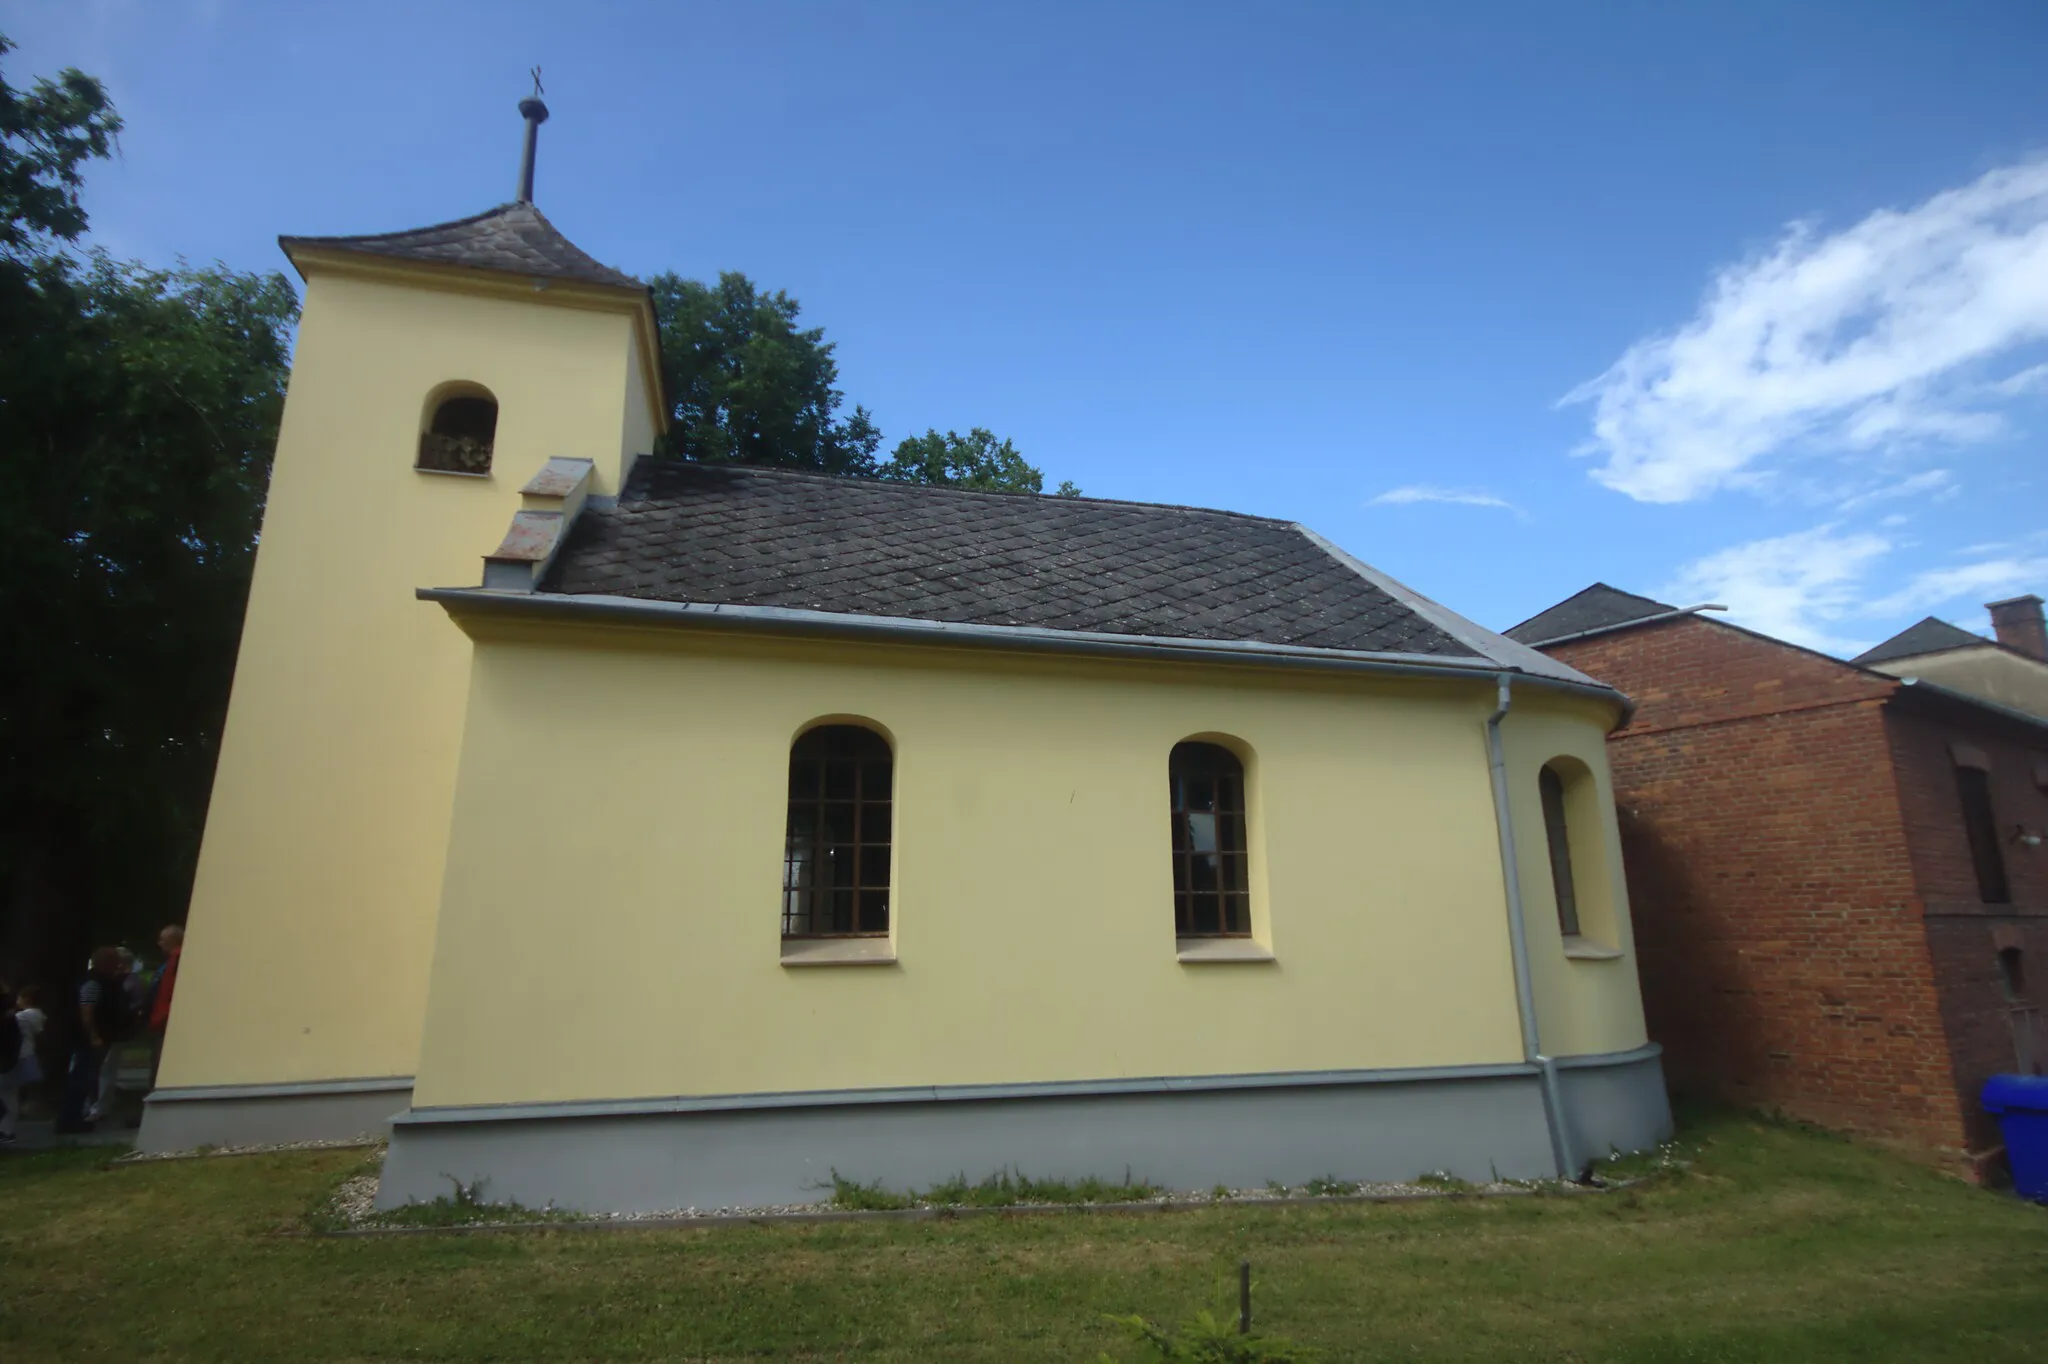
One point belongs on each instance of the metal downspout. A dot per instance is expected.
(1518, 938)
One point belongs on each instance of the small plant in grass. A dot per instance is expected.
(1220, 1192)
(872, 1197)
(1670, 1159)
(466, 1206)
(1003, 1189)
(1443, 1180)
(1094, 1190)
(1008, 1188)
(1204, 1340)
(1329, 1186)
(1277, 1189)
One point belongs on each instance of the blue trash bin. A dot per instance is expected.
(2020, 1103)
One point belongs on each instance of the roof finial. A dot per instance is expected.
(535, 113)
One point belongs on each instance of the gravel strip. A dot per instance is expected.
(261, 1149)
(356, 1198)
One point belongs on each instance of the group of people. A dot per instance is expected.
(116, 1004)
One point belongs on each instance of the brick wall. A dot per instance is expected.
(1783, 954)
(1964, 934)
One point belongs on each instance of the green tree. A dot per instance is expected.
(749, 385)
(47, 134)
(976, 460)
(138, 413)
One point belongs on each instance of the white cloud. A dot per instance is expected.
(1463, 497)
(1937, 483)
(1872, 338)
(1813, 585)
(1975, 584)
(1797, 587)
(2026, 381)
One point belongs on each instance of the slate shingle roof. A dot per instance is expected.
(720, 534)
(514, 238)
(1929, 636)
(1596, 608)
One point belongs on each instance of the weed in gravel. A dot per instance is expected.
(466, 1206)
(853, 1196)
(1003, 1189)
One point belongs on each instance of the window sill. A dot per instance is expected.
(447, 473)
(1195, 951)
(1583, 949)
(838, 952)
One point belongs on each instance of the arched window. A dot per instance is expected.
(1210, 876)
(460, 431)
(1557, 833)
(835, 866)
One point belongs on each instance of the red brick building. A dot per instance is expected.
(1838, 878)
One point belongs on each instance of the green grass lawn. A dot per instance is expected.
(1777, 1244)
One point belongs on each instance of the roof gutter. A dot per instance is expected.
(1926, 688)
(775, 620)
(1630, 624)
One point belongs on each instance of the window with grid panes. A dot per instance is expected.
(1210, 877)
(835, 867)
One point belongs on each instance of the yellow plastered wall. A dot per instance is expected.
(312, 913)
(1584, 1005)
(613, 880)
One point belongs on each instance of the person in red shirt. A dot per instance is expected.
(172, 941)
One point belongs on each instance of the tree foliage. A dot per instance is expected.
(47, 134)
(138, 412)
(749, 386)
(976, 460)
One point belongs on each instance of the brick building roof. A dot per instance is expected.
(1929, 636)
(513, 238)
(1598, 607)
(725, 534)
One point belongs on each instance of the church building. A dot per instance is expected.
(633, 834)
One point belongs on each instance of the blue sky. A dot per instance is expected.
(1732, 302)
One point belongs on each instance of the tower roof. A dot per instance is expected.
(513, 239)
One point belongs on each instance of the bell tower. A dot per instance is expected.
(436, 371)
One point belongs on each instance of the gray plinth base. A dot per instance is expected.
(1614, 1104)
(1474, 1122)
(253, 1115)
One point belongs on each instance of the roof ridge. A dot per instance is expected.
(1599, 585)
(736, 466)
(1495, 648)
(1888, 649)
